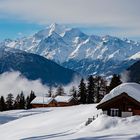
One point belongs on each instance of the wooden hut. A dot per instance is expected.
(122, 101)
(65, 101)
(43, 102)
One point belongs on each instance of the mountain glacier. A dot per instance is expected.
(87, 54)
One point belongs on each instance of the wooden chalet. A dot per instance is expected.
(59, 101)
(65, 100)
(123, 101)
(43, 102)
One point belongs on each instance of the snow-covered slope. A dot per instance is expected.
(72, 48)
(68, 123)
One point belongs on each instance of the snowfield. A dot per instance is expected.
(66, 123)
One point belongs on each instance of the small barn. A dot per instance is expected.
(122, 101)
(43, 102)
(65, 100)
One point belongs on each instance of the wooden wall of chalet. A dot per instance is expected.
(136, 112)
(51, 104)
(71, 103)
(56, 104)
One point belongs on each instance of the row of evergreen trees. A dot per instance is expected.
(96, 88)
(20, 102)
(91, 91)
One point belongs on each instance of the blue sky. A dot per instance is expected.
(108, 17)
(13, 28)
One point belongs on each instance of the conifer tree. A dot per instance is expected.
(9, 101)
(60, 91)
(115, 81)
(90, 90)
(16, 102)
(73, 92)
(32, 95)
(27, 103)
(2, 104)
(100, 88)
(82, 92)
(29, 100)
(50, 91)
(22, 101)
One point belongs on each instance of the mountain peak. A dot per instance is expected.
(59, 29)
(54, 25)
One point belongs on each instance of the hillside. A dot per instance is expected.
(86, 54)
(34, 67)
(66, 123)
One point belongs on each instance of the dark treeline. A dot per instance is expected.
(90, 90)
(20, 102)
(93, 91)
(96, 88)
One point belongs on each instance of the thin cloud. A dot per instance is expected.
(117, 13)
(78, 11)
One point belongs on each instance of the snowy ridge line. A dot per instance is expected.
(74, 44)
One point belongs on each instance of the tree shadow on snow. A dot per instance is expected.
(109, 137)
(136, 138)
(62, 134)
(48, 136)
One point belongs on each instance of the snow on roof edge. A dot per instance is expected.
(41, 100)
(132, 89)
(47, 100)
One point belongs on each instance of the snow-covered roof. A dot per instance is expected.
(132, 89)
(42, 100)
(63, 98)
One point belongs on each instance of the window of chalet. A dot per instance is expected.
(114, 112)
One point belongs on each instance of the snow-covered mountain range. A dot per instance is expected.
(87, 54)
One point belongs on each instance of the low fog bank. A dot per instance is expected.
(14, 82)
